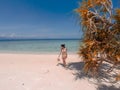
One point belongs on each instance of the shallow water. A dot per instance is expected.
(38, 46)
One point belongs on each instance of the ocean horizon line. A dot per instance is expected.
(26, 39)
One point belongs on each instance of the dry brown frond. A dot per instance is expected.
(100, 34)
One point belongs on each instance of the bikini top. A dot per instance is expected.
(64, 50)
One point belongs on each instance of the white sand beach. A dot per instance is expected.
(40, 72)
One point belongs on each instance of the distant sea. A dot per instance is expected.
(38, 46)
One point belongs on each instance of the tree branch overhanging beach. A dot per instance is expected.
(100, 51)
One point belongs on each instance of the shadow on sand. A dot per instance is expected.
(60, 64)
(79, 74)
(105, 87)
(78, 68)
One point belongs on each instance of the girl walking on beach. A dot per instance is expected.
(63, 52)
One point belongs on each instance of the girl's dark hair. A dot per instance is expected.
(63, 45)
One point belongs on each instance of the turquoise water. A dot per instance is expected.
(38, 46)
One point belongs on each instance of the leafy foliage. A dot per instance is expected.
(101, 28)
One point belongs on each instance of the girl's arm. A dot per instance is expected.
(59, 54)
(66, 52)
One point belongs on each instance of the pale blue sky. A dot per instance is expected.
(39, 18)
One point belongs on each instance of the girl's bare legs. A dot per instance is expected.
(64, 62)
